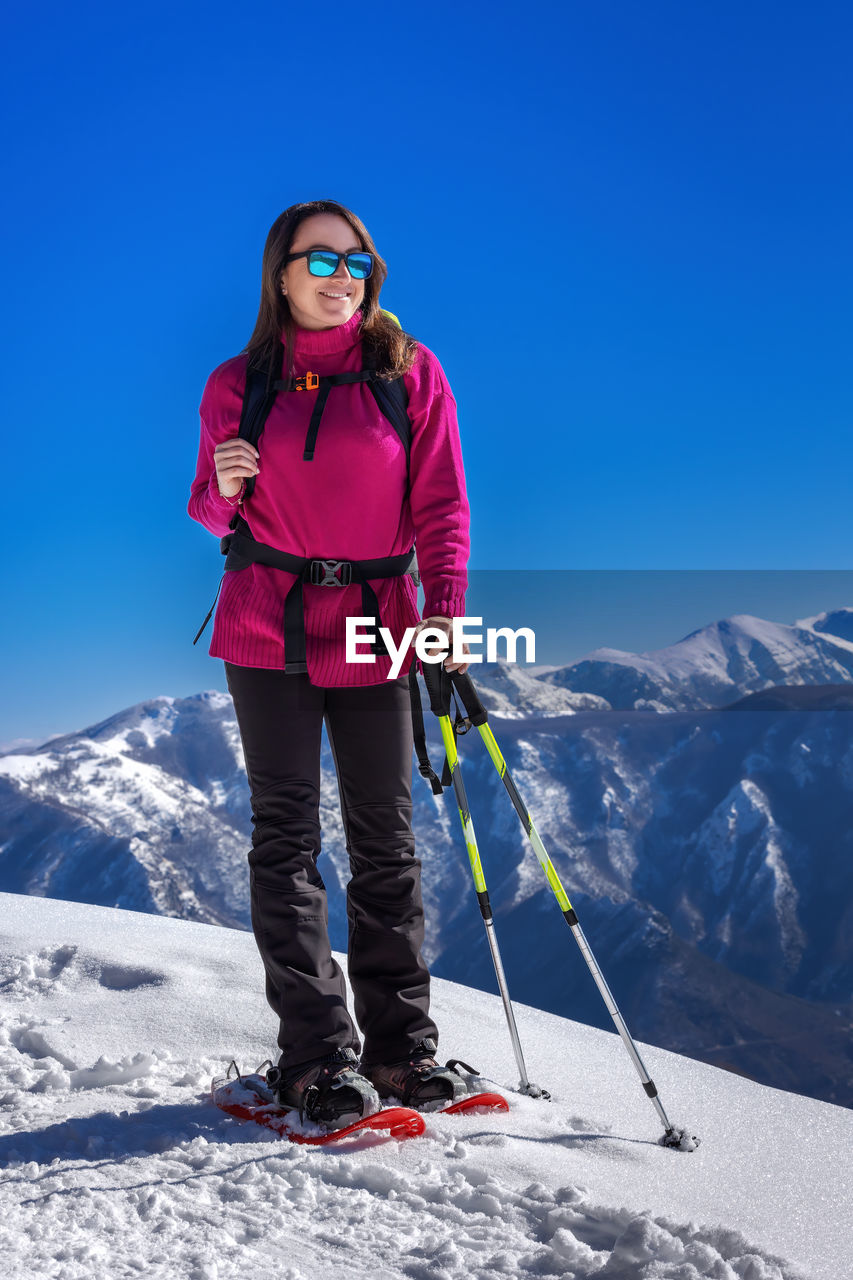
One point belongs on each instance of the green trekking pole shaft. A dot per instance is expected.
(478, 716)
(439, 691)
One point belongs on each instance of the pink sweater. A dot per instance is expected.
(346, 504)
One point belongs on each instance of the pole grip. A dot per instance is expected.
(469, 697)
(437, 681)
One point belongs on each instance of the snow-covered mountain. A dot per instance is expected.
(116, 1164)
(144, 810)
(708, 853)
(716, 664)
(509, 691)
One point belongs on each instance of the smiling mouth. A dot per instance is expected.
(336, 296)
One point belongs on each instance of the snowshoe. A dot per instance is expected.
(418, 1081)
(329, 1091)
(247, 1097)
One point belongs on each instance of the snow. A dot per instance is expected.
(116, 1164)
(817, 622)
(513, 692)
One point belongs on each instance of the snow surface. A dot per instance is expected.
(115, 1164)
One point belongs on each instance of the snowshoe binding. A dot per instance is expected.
(329, 1091)
(418, 1081)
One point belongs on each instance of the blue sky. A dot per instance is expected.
(624, 230)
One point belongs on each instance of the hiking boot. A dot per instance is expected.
(328, 1091)
(418, 1081)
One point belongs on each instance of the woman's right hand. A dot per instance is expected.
(235, 461)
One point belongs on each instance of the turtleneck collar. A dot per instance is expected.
(321, 341)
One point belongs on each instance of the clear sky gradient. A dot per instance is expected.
(624, 229)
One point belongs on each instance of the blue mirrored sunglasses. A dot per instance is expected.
(324, 262)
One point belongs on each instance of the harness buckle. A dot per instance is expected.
(329, 570)
(310, 382)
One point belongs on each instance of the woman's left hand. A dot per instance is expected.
(445, 625)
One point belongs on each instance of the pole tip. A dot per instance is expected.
(533, 1091)
(680, 1140)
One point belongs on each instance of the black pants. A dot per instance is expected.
(370, 732)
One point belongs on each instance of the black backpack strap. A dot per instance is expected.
(263, 385)
(419, 733)
(325, 385)
(314, 424)
(392, 399)
(257, 403)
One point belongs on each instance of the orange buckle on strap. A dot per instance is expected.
(310, 382)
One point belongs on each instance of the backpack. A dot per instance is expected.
(242, 549)
(264, 384)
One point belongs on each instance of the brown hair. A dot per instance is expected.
(391, 350)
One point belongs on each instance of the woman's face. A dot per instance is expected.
(322, 302)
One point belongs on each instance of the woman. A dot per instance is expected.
(335, 485)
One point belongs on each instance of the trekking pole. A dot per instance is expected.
(478, 716)
(438, 688)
